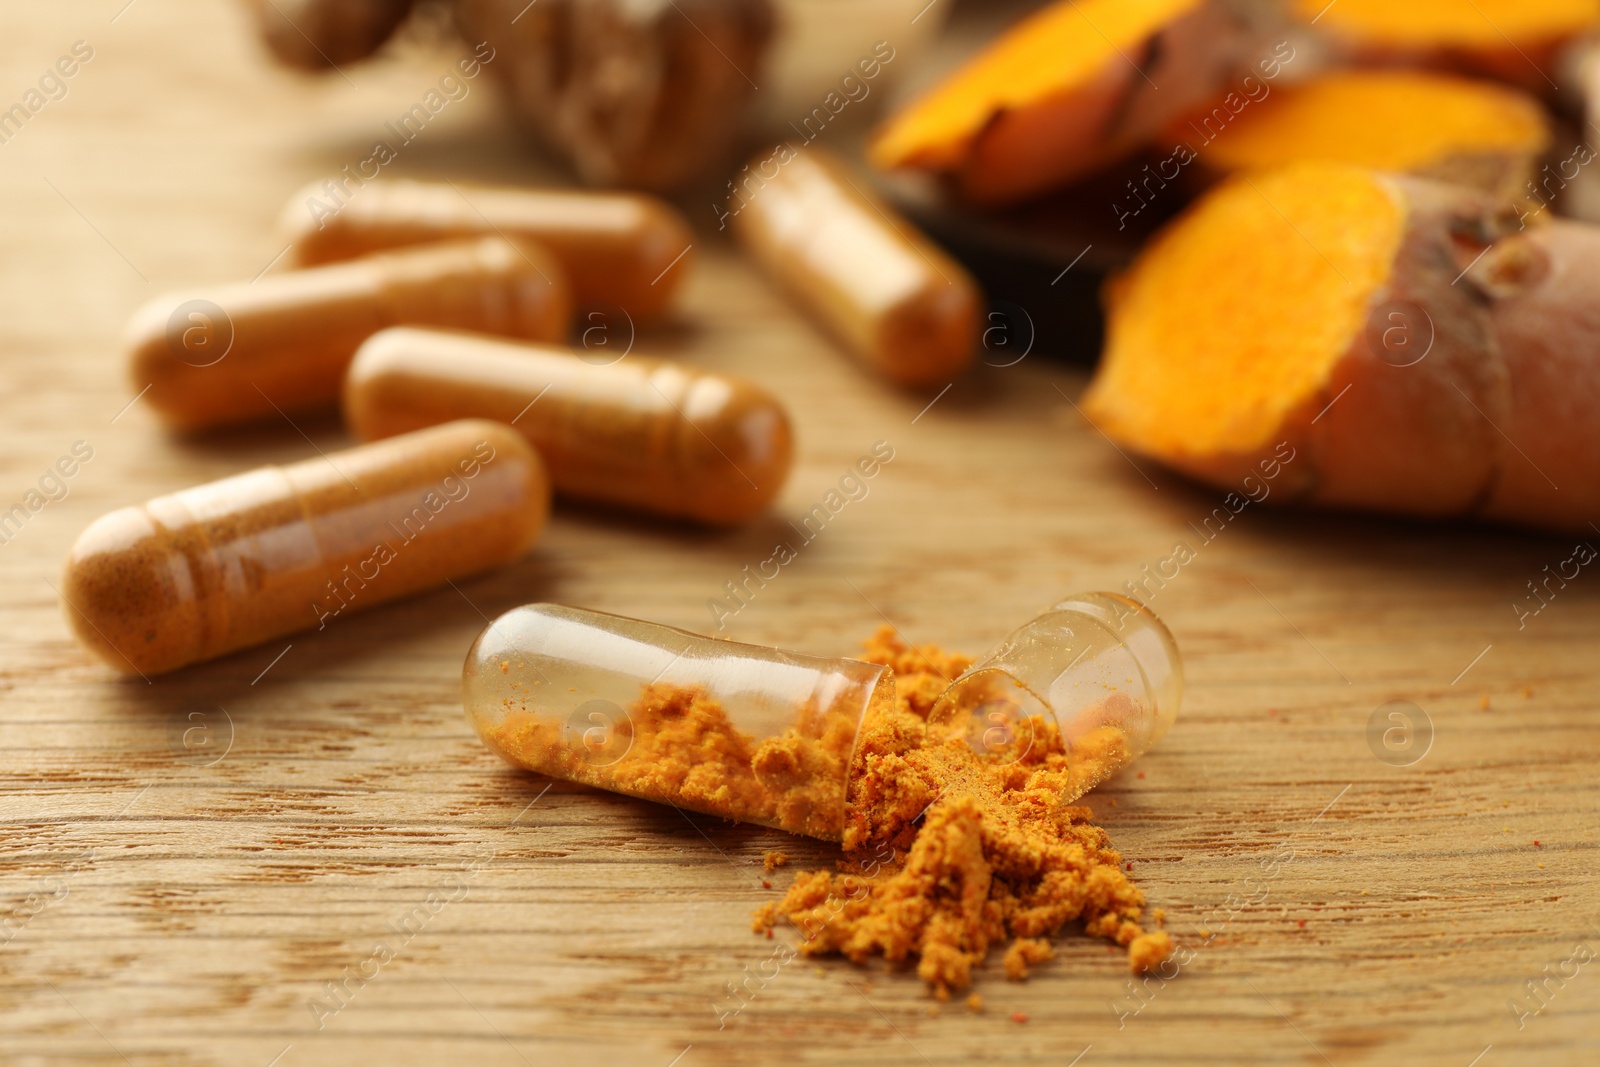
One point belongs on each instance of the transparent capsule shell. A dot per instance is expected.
(759, 735)
(1098, 675)
(740, 731)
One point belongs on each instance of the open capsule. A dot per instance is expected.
(763, 736)
(1097, 676)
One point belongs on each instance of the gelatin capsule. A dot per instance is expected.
(620, 249)
(281, 344)
(889, 294)
(640, 433)
(1097, 676)
(758, 735)
(226, 565)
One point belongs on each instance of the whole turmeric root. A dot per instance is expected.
(648, 94)
(1066, 92)
(320, 34)
(638, 94)
(1377, 342)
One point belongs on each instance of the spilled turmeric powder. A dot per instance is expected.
(949, 851)
(953, 841)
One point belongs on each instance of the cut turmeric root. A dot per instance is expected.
(1514, 40)
(1375, 342)
(1064, 93)
(1472, 132)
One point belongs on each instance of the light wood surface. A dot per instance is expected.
(165, 905)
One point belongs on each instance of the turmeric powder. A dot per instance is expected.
(977, 849)
(678, 745)
(952, 799)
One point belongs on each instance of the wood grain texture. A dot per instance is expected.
(162, 905)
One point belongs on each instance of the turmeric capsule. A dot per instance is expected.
(644, 434)
(889, 294)
(223, 566)
(616, 248)
(281, 344)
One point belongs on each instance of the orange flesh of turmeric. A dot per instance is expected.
(1234, 317)
(1049, 53)
(1462, 23)
(948, 852)
(1388, 120)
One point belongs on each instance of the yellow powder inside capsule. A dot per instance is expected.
(949, 851)
(676, 745)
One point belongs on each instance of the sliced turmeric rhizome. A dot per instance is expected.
(1070, 89)
(1514, 40)
(1390, 343)
(1464, 130)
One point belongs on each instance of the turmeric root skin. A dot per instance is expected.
(1464, 385)
(1547, 320)
(645, 96)
(1017, 120)
(319, 35)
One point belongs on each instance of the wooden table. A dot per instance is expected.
(185, 864)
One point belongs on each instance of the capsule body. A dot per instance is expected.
(742, 732)
(281, 344)
(890, 295)
(1098, 676)
(222, 566)
(645, 434)
(619, 249)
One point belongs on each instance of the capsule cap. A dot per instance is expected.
(131, 596)
(1098, 671)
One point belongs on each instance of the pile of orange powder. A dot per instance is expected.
(949, 851)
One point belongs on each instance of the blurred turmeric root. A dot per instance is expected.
(322, 34)
(1068, 91)
(644, 95)
(1463, 130)
(1518, 41)
(1396, 344)
(640, 94)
